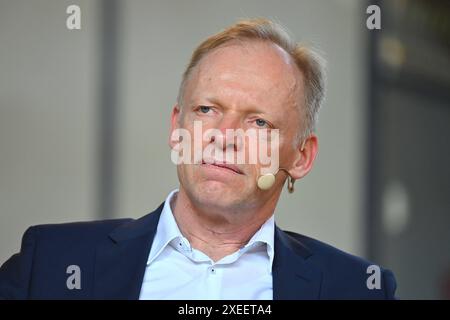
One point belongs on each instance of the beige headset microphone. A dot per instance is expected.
(266, 181)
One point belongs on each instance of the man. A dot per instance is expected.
(215, 237)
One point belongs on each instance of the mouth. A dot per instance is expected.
(227, 166)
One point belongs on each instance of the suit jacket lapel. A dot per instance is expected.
(121, 258)
(294, 277)
(121, 261)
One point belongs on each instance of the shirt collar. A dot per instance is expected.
(168, 230)
(265, 235)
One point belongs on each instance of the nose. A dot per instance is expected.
(227, 135)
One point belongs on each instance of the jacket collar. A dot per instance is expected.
(121, 258)
(294, 276)
(121, 262)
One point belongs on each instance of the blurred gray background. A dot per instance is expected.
(84, 121)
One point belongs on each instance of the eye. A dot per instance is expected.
(204, 109)
(261, 123)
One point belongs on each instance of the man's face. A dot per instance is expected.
(253, 86)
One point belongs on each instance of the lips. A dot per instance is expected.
(223, 165)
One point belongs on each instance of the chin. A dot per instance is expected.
(220, 195)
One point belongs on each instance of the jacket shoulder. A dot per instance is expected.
(347, 276)
(46, 250)
(78, 231)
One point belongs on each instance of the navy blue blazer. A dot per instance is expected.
(112, 258)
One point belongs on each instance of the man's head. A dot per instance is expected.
(250, 76)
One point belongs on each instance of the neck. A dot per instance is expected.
(218, 234)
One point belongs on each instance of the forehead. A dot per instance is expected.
(255, 70)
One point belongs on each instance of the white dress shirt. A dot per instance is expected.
(177, 271)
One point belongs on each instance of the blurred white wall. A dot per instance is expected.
(48, 110)
(49, 103)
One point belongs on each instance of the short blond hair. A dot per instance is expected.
(310, 63)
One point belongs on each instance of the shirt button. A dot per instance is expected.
(212, 270)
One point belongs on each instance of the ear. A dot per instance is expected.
(305, 156)
(174, 124)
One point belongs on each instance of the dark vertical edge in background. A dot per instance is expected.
(372, 140)
(107, 169)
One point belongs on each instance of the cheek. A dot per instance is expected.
(255, 172)
(187, 174)
(287, 153)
